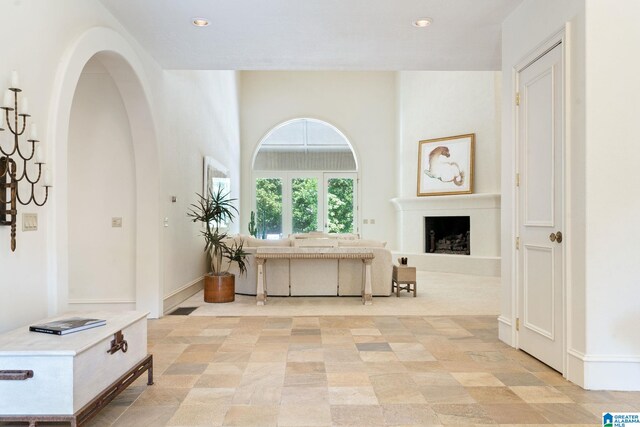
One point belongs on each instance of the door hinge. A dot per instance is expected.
(517, 98)
(517, 243)
(517, 323)
(517, 180)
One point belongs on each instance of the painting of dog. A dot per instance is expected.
(445, 165)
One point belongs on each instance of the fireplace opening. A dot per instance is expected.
(447, 235)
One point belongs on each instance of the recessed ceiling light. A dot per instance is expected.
(422, 22)
(200, 22)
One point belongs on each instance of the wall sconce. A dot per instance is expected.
(14, 162)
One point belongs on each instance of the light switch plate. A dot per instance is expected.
(372, 221)
(29, 222)
(365, 221)
(116, 222)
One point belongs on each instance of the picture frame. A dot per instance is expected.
(215, 175)
(445, 165)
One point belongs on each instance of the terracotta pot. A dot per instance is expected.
(219, 288)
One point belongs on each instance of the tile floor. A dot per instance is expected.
(348, 371)
(439, 294)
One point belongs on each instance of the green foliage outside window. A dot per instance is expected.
(269, 206)
(340, 205)
(304, 204)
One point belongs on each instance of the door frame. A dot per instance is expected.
(560, 38)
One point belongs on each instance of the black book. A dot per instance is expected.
(67, 326)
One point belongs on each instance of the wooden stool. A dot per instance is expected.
(404, 279)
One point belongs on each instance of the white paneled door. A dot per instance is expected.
(540, 209)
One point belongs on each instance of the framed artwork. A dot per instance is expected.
(445, 165)
(215, 176)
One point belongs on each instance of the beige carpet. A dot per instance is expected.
(439, 294)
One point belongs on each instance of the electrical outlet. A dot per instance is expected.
(29, 222)
(166, 222)
(116, 222)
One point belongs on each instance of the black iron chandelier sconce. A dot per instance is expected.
(14, 162)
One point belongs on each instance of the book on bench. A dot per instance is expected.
(67, 326)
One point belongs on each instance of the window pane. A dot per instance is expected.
(340, 205)
(304, 204)
(269, 207)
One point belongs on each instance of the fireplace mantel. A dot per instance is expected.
(484, 212)
(461, 201)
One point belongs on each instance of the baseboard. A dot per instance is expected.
(605, 371)
(575, 367)
(181, 294)
(504, 330)
(445, 263)
(89, 304)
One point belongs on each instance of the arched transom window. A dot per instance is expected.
(305, 174)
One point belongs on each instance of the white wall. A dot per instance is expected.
(207, 122)
(612, 200)
(361, 104)
(524, 30)
(200, 119)
(101, 186)
(435, 104)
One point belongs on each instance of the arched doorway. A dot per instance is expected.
(102, 195)
(305, 178)
(124, 68)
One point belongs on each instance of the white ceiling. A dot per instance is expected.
(318, 34)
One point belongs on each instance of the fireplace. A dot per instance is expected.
(447, 235)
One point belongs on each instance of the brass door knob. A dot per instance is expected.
(556, 237)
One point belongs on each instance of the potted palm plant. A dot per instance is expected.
(215, 211)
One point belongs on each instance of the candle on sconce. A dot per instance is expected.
(47, 178)
(7, 99)
(14, 79)
(33, 132)
(24, 106)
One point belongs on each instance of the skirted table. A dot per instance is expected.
(313, 253)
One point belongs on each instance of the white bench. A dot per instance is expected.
(69, 378)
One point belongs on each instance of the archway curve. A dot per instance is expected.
(287, 122)
(355, 172)
(127, 71)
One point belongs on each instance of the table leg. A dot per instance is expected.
(260, 297)
(367, 298)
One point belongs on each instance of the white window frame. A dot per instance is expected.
(322, 177)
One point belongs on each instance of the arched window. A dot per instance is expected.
(305, 174)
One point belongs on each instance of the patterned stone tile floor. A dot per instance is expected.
(349, 371)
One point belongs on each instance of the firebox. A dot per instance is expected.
(447, 235)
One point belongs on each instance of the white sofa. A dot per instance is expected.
(315, 277)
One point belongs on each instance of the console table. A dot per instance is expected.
(265, 253)
(69, 378)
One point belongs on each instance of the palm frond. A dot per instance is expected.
(235, 253)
